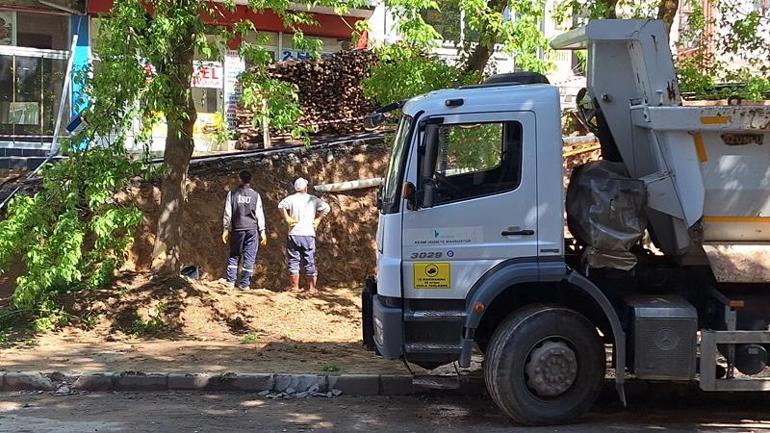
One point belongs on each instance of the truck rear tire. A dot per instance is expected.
(545, 365)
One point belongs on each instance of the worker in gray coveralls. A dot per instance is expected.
(302, 212)
(243, 218)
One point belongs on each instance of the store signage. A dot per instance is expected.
(76, 125)
(209, 75)
(234, 66)
(299, 55)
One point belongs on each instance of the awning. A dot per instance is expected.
(329, 25)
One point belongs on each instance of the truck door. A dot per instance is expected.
(475, 201)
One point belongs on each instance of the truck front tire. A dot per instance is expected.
(545, 365)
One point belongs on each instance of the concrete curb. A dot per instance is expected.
(286, 384)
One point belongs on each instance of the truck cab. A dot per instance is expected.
(474, 181)
(471, 247)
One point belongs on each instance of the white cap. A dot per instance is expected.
(300, 184)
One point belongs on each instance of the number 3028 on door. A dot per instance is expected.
(427, 255)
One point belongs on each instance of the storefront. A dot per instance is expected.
(215, 86)
(35, 44)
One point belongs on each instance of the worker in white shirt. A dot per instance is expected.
(302, 212)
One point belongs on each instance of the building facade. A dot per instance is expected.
(40, 38)
(36, 49)
(43, 41)
(215, 88)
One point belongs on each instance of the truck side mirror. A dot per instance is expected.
(373, 121)
(409, 193)
(428, 164)
(378, 202)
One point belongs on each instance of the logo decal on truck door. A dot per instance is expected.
(432, 275)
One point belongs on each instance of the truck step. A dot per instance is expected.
(434, 316)
(436, 382)
(433, 348)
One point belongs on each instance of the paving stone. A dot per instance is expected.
(188, 381)
(94, 382)
(396, 385)
(356, 384)
(299, 382)
(18, 381)
(142, 382)
(253, 382)
(222, 382)
(57, 376)
(63, 390)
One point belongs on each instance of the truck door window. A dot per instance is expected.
(475, 160)
(394, 177)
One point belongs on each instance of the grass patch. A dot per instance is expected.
(153, 324)
(249, 339)
(330, 368)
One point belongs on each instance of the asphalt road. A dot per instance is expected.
(173, 412)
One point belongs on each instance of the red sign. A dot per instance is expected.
(208, 74)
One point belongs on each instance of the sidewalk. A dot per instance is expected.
(72, 352)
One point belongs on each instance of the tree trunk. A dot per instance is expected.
(667, 11)
(176, 158)
(479, 58)
(482, 51)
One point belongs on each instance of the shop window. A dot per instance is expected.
(30, 91)
(94, 27)
(208, 77)
(207, 100)
(294, 51)
(267, 40)
(44, 31)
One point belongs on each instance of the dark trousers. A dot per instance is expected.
(243, 248)
(299, 250)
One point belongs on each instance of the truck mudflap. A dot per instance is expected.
(367, 315)
(382, 322)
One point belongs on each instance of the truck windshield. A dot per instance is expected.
(391, 188)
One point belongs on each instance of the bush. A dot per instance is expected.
(71, 234)
(418, 72)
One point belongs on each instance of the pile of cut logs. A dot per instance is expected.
(330, 94)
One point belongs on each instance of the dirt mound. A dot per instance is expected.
(346, 239)
(147, 325)
(210, 311)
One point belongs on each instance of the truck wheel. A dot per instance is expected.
(545, 365)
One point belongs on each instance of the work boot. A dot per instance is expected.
(224, 282)
(294, 283)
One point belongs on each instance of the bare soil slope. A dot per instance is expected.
(197, 326)
(346, 239)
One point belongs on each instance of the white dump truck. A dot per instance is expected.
(666, 274)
